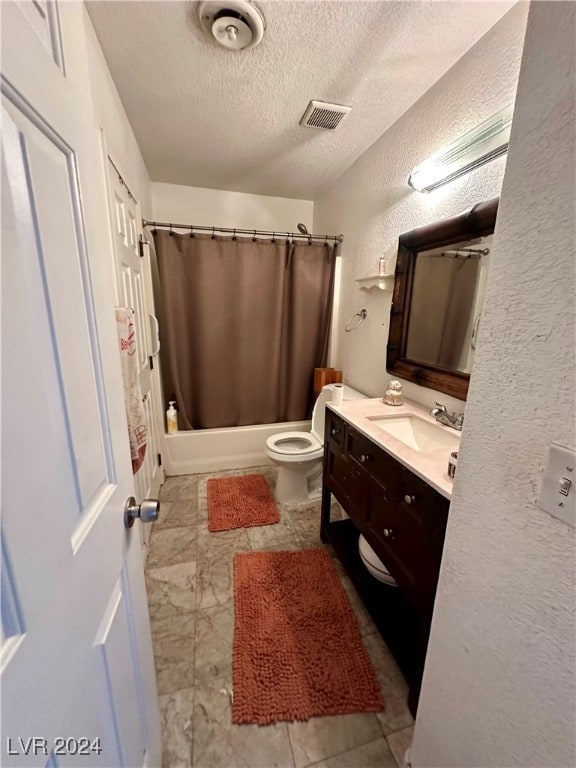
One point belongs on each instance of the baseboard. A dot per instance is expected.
(232, 461)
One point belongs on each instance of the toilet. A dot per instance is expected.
(373, 564)
(298, 455)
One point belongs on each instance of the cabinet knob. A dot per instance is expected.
(334, 431)
(409, 499)
(364, 458)
(389, 533)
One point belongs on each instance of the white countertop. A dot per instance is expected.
(430, 466)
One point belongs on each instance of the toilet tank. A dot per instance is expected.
(319, 411)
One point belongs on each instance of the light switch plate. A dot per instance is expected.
(560, 468)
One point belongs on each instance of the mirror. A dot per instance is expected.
(443, 322)
(438, 296)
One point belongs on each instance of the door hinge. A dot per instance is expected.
(141, 243)
(159, 459)
(151, 361)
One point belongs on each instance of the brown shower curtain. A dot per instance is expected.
(246, 322)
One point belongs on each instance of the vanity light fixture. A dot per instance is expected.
(477, 147)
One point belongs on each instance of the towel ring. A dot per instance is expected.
(361, 315)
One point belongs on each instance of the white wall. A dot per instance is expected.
(499, 683)
(214, 207)
(372, 203)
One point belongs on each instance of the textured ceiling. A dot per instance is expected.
(208, 117)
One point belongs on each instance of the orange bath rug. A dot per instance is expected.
(297, 650)
(240, 502)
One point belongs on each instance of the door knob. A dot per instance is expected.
(148, 511)
(364, 458)
(409, 499)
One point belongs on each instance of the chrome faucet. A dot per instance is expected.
(448, 419)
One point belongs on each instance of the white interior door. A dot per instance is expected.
(77, 675)
(132, 278)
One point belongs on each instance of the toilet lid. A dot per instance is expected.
(291, 443)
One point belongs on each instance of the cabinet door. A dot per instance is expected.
(347, 483)
(401, 534)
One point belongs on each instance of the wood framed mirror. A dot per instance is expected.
(437, 302)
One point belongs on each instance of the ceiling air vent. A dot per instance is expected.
(320, 114)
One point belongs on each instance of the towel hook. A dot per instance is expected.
(362, 314)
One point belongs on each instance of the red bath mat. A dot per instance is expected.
(297, 651)
(240, 502)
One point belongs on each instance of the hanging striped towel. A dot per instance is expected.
(137, 429)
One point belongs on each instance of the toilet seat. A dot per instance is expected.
(294, 446)
(298, 455)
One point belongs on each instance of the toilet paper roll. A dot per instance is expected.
(338, 394)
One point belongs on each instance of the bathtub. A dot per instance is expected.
(207, 450)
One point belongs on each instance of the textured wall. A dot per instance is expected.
(207, 207)
(213, 118)
(372, 203)
(499, 684)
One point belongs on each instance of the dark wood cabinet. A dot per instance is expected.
(404, 521)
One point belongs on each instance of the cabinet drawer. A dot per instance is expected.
(415, 497)
(372, 459)
(359, 448)
(334, 430)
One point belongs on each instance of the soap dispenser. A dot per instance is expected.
(172, 418)
(394, 394)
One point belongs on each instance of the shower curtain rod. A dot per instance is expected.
(253, 232)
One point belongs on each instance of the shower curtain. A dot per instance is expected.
(246, 322)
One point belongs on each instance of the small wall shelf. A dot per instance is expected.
(383, 282)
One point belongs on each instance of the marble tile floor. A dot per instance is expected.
(190, 597)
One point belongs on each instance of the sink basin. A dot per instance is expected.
(417, 433)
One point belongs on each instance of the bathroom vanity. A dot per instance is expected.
(386, 466)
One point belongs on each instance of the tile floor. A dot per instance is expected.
(190, 596)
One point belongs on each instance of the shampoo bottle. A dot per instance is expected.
(172, 418)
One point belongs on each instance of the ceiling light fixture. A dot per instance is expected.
(233, 24)
(477, 147)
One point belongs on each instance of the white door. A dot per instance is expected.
(77, 675)
(132, 278)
